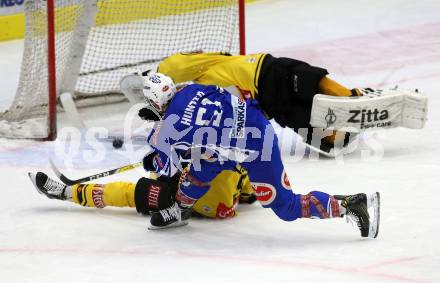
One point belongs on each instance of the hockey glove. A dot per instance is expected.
(145, 73)
(148, 114)
(148, 161)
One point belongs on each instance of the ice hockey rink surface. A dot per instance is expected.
(363, 44)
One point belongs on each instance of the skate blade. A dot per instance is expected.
(373, 203)
(32, 176)
(175, 224)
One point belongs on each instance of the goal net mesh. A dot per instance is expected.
(97, 42)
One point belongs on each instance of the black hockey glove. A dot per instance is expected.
(148, 161)
(145, 73)
(148, 114)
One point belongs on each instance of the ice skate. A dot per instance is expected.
(50, 188)
(357, 207)
(370, 92)
(169, 217)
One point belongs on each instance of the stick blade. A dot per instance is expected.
(60, 175)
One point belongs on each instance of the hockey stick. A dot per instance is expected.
(71, 182)
(72, 114)
(123, 66)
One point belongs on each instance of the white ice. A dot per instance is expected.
(362, 43)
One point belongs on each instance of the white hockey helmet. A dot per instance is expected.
(158, 90)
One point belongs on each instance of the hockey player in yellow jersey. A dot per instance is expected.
(227, 190)
(286, 91)
(272, 81)
(284, 87)
(216, 68)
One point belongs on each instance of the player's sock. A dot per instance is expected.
(49, 187)
(318, 204)
(119, 194)
(356, 208)
(330, 87)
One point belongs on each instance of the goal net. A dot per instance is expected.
(86, 46)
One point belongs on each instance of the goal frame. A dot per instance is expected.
(51, 64)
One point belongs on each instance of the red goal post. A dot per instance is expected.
(84, 47)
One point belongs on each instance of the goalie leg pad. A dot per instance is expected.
(386, 109)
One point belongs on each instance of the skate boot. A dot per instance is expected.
(50, 188)
(357, 207)
(173, 216)
(369, 92)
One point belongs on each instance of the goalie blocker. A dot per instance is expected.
(376, 109)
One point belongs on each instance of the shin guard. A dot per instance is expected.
(152, 195)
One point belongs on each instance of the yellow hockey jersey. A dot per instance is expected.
(220, 69)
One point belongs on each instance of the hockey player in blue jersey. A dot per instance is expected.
(215, 131)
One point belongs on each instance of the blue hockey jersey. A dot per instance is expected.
(215, 130)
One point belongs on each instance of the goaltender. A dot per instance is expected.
(286, 90)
